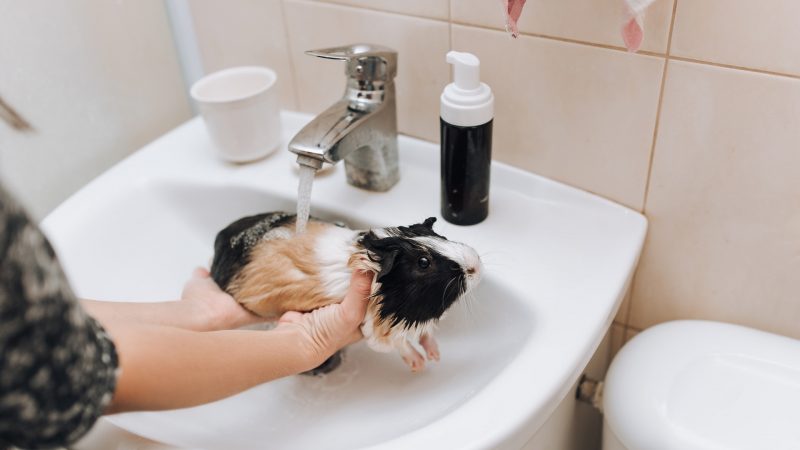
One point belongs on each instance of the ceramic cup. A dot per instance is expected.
(240, 109)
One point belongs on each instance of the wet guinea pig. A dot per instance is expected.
(269, 269)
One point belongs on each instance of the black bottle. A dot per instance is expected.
(466, 163)
(466, 120)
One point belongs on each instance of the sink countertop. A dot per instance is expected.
(569, 254)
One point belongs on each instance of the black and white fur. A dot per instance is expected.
(419, 273)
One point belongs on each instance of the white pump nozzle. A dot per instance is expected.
(466, 101)
(466, 70)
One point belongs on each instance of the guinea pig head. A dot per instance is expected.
(420, 273)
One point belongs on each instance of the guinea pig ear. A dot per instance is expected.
(387, 263)
(429, 222)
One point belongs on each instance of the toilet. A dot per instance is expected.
(703, 385)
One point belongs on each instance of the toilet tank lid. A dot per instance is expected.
(700, 384)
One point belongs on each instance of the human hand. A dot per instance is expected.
(330, 328)
(213, 308)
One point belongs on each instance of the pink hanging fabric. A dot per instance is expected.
(512, 10)
(632, 28)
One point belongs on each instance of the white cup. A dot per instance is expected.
(241, 112)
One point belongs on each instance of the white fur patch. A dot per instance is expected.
(332, 251)
(399, 334)
(464, 255)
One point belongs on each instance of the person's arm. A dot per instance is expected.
(58, 366)
(201, 307)
(165, 367)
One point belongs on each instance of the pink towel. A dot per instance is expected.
(512, 10)
(632, 29)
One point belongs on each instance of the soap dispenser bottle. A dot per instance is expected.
(467, 111)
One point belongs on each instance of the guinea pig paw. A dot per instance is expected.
(412, 358)
(416, 362)
(430, 346)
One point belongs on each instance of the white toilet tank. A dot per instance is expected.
(703, 385)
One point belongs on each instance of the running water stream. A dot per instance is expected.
(304, 197)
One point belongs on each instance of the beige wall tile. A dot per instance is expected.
(421, 44)
(434, 9)
(616, 340)
(622, 314)
(630, 333)
(598, 365)
(96, 79)
(578, 114)
(724, 202)
(597, 21)
(762, 34)
(485, 13)
(245, 32)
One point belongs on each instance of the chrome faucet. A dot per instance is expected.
(361, 128)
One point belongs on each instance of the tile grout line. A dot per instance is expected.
(658, 108)
(563, 39)
(592, 44)
(734, 67)
(292, 69)
(370, 8)
(653, 150)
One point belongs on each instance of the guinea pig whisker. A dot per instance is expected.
(444, 292)
(470, 300)
(447, 286)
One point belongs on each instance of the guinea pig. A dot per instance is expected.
(419, 274)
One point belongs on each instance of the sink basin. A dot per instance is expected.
(557, 259)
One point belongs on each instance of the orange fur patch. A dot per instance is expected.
(282, 276)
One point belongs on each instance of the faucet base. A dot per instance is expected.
(372, 169)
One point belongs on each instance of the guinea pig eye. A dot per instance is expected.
(424, 263)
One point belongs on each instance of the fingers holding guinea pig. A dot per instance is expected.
(336, 325)
(354, 305)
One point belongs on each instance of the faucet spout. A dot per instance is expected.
(361, 128)
(322, 137)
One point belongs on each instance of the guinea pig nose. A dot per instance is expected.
(471, 270)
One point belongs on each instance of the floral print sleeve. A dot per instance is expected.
(58, 366)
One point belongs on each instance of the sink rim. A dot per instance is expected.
(497, 414)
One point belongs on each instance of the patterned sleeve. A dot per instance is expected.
(58, 366)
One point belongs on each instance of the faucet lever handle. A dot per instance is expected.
(364, 61)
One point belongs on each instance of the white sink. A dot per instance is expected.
(557, 261)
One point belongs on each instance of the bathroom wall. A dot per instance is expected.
(97, 79)
(700, 130)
